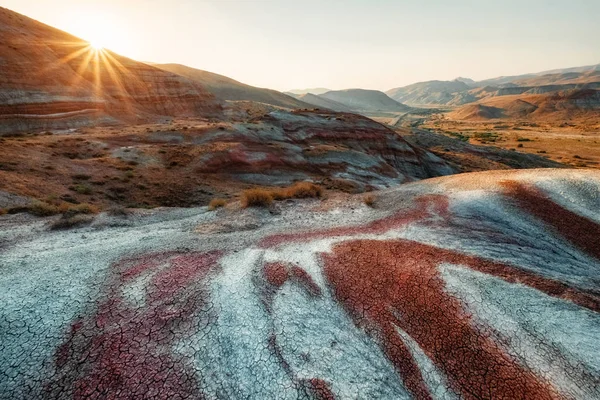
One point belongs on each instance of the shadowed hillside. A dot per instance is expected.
(228, 89)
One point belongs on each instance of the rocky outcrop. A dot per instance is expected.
(281, 147)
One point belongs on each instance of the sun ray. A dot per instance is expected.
(107, 60)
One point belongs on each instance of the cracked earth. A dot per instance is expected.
(476, 286)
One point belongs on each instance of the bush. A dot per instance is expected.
(67, 222)
(43, 209)
(300, 190)
(303, 190)
(369, 200)
(256, 198)
(81, 189)
(216, 203)
(118, 211)
(82, 177)
(82, 208)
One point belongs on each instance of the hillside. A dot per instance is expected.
(226, 88)
(578, 71)
(189, 162)
(322, 102)
(471, 286)
(315, 91)
(431, 92)
(464, 91)
(570, 105)
(51, 79)
(365, 100)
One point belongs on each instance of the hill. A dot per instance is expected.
(464, 91)
(315, 91)
(322, 102)
(226, 88)
(471, 286)
(365, 100)
(431, 92)
(52, 79)
(581, 105)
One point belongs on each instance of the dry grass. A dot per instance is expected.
(257, 198)
(73, 221)
(216, 203)
(82, 208)
(264, 197)
(44, 209)
(118, 211)
(300, 190)
(50, 208)
(369, 200)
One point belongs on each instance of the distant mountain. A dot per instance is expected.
(463, 91)
(51, 79)
(431, 92)
(316, 91)
(322, 102)
(229, 89)
(365, 100)
(574, 71)
(468, 81)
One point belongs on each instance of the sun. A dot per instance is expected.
(96, 44)
(99, 29)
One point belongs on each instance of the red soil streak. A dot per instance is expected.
(426, 207)
(277, 274)
(303, 278)
(124, 351)
(134, 267)
(384, 284)
(319, 389)
(582, 232)
(183, 271)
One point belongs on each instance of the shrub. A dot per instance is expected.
(118, 211)
(216, 203)
(82, 177)
(520, 145)
(82, 208)
(303, 190)
(81, 189)
(67, 222)
(369, 200)
(43, 209)
(300, 190)
(256, 198)
(3, 211)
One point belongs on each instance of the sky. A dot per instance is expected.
(337, 44)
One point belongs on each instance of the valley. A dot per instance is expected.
(167, 232)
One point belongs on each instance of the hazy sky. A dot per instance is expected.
(376, 44)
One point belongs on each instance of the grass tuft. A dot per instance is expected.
(68, 222)
(369, 200)
(300, 190)
(256, 198)
(216, 203)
